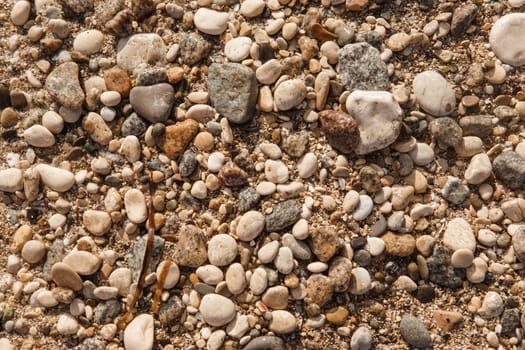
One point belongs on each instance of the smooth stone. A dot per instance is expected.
(140, 49)
(289, 94)
(509, 168)
(462, 258)
(172, 275)
(46, 299)
(477, 271)
(351, 201)
(139, 333)
(110, 98)
(57, 179)
(120, 278)
(216, 310)
(307, 165)
(130, 148)
(479, 169)
(53, 122)
(216, 161)
(469, 146)
(191, 248)
(238, 48)
(492, 305)
(33, 251)
(39, 136)
(82, 262)
(422, 154)
(283, 322)
(210, 21)
(216, 340)
(201, 113)
(271, 150)
(487, 237)
(222, 250)
(153, 102)
(378, 117)
(135, 204)
(364, 208)
(360, 283)
(459, 234)
(258, 281)
(399, 245)
(64, 276)
(252, 8)
(276, 171)
(518, 243)
(361, 339)
(105, 292)
(284, 260)
(67, 325)
(11, 180)
(20, 12)
(210, 274)
(269, 72)
(266, 188)
(250, 225)
(434, 94)
(97, 128)
(63, 84)
(97, 222)
(268, 252)
(268, 342)
(375, 246)
(405, 283)
(236, 279)
(414, 332)
(238, 327)
(88, 42)
(506, 39)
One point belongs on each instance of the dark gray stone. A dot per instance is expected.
(137, 254)
(248, 199)
(510, 320)
(154, 102)
(266, 342)
(509, 168)
(133, 125)
(462, 18)
(284, 215)
(106, 311)
(188, 163)
(447, 131)
(414, 332)
(233, 91)
(441, 271)
(170, 311)
(361, 68)
(193, 48)
(151, 76)
(476, 125)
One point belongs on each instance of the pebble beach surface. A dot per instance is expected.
(262, 174)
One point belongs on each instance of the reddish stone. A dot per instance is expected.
(117, 79)
(178, 136)
(232, 175)
(340, 129)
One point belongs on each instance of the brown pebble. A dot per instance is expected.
(118, 80)
(340, 129)
(175, 74)
(178, 136)
(232, 175)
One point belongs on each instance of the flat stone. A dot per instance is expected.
(139, 333)
(434, 94)
(238, 48)
(378, 118)
(459, 234)
(82, 262)
(505, 38)
(57, 179)
(399, 245)
(236, 279)
(63, 84)
(64, 276)
(139, 49)
(39, 136)
(178, 136)
(222, 250)
(361, 68)
(97, 222)
(210, 21)
(154, 102)
(233, 91)
(217, 310)
(190, 249)
(11, 180)
(289, 94)
(250, 225)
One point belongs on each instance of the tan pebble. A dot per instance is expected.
(33, 251)
(265, 99)
(446, 320)
(20, 237)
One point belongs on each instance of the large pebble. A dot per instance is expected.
(217, 310)
(178, 136)
(341, 130)
(172, 275)
(135, 204)
(307, 165)
(289, 94)
(283, 322)
(139, 333)
(11, 180)
(57, 179)
(459, 234)
(53, 122)
(88, 42)
(252, 8)
(153, 102)
(67, 325)
(97, 128)
(33, 251)
(210, 21)
(39, 136)
(353, 58)
(82, 262)
(506, 39)
(20, 12)
(269, 72)
(64, 276)
(140, 49)
(434, 94)
(492, 305)
(422, 154)
(509, 168)
(479, 169)
(378, 117)
(364, 208)
(97, 222)
(191, 247)
(518, 243)
(238, 48)
(222, 250)
(120, 278)
(259, 281)
(360, 283)
(276, 171)
(414, 332)
(236, 279)
(361, 339)
(250, 226)
(63, 84)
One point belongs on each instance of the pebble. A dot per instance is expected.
(56, 179)
(399, 245)
(447, 131)
(505, 40)
(139, 333)
(289, 94)
(232, 175)
(135, 204)
(276, 171)
(105, 292)
(153, 102)
(120, 278)
(141, 49)
(462, 258)
(233, 91)
(269, 72)
(172, 276)
(178, 136)
(88, 42)
(53, 122)
(284, 260)
(64, 276)
(252, 8)
(405, 283)
(509, 168)
(216, 310)
(518, 243)
(351, 201)
(63, 84)
(414, 332)
(110, 98)
(492, 305)
(67, 325)
(364, 208)
(479, 169)
(97, 222)
(258, 281)
(20, 12)
(201, 113)
(238, 48)
(269, 342)
(455, 191)
(216, 340)
(276, 297)
(222, 250)
(462, 18)
(82, 262)
(268, 252)
(250, 226)
(215, 162)
(341, 130)
(97, 128)
(378, 118)
(33, 251)
(361, 339)
(434, 94)
(459, 234)
(360, 282)
(284, 215)
(477, 271)
(117, 80)
(11, 180)
(210, 21)
(352, 59)
(191, 248)
(422, 154)
(283, 322)
(39, 136)
(236, 278)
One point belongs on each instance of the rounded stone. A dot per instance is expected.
(172, 275)
(462, 258)
(434, 94)
(88, 42)
(82, 262)
(217, 310)
(39, 136)
(276, 171)
(11, 180)
(53, 122)
(210, 274)
(506, 39)
(360, 282)
(97, 222)
(289, 94)
(135, 204)
(20, 12)
(236, 279)
(33, 251)
(283, 322)
(364, 208)
(120, 278)
(252, 8)
(222, 250)
(238, 48)
(210, 21)
(110, 98)
(250, 225)
(64, 276)
(67, 325)
(139, 333)
(269, 72)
